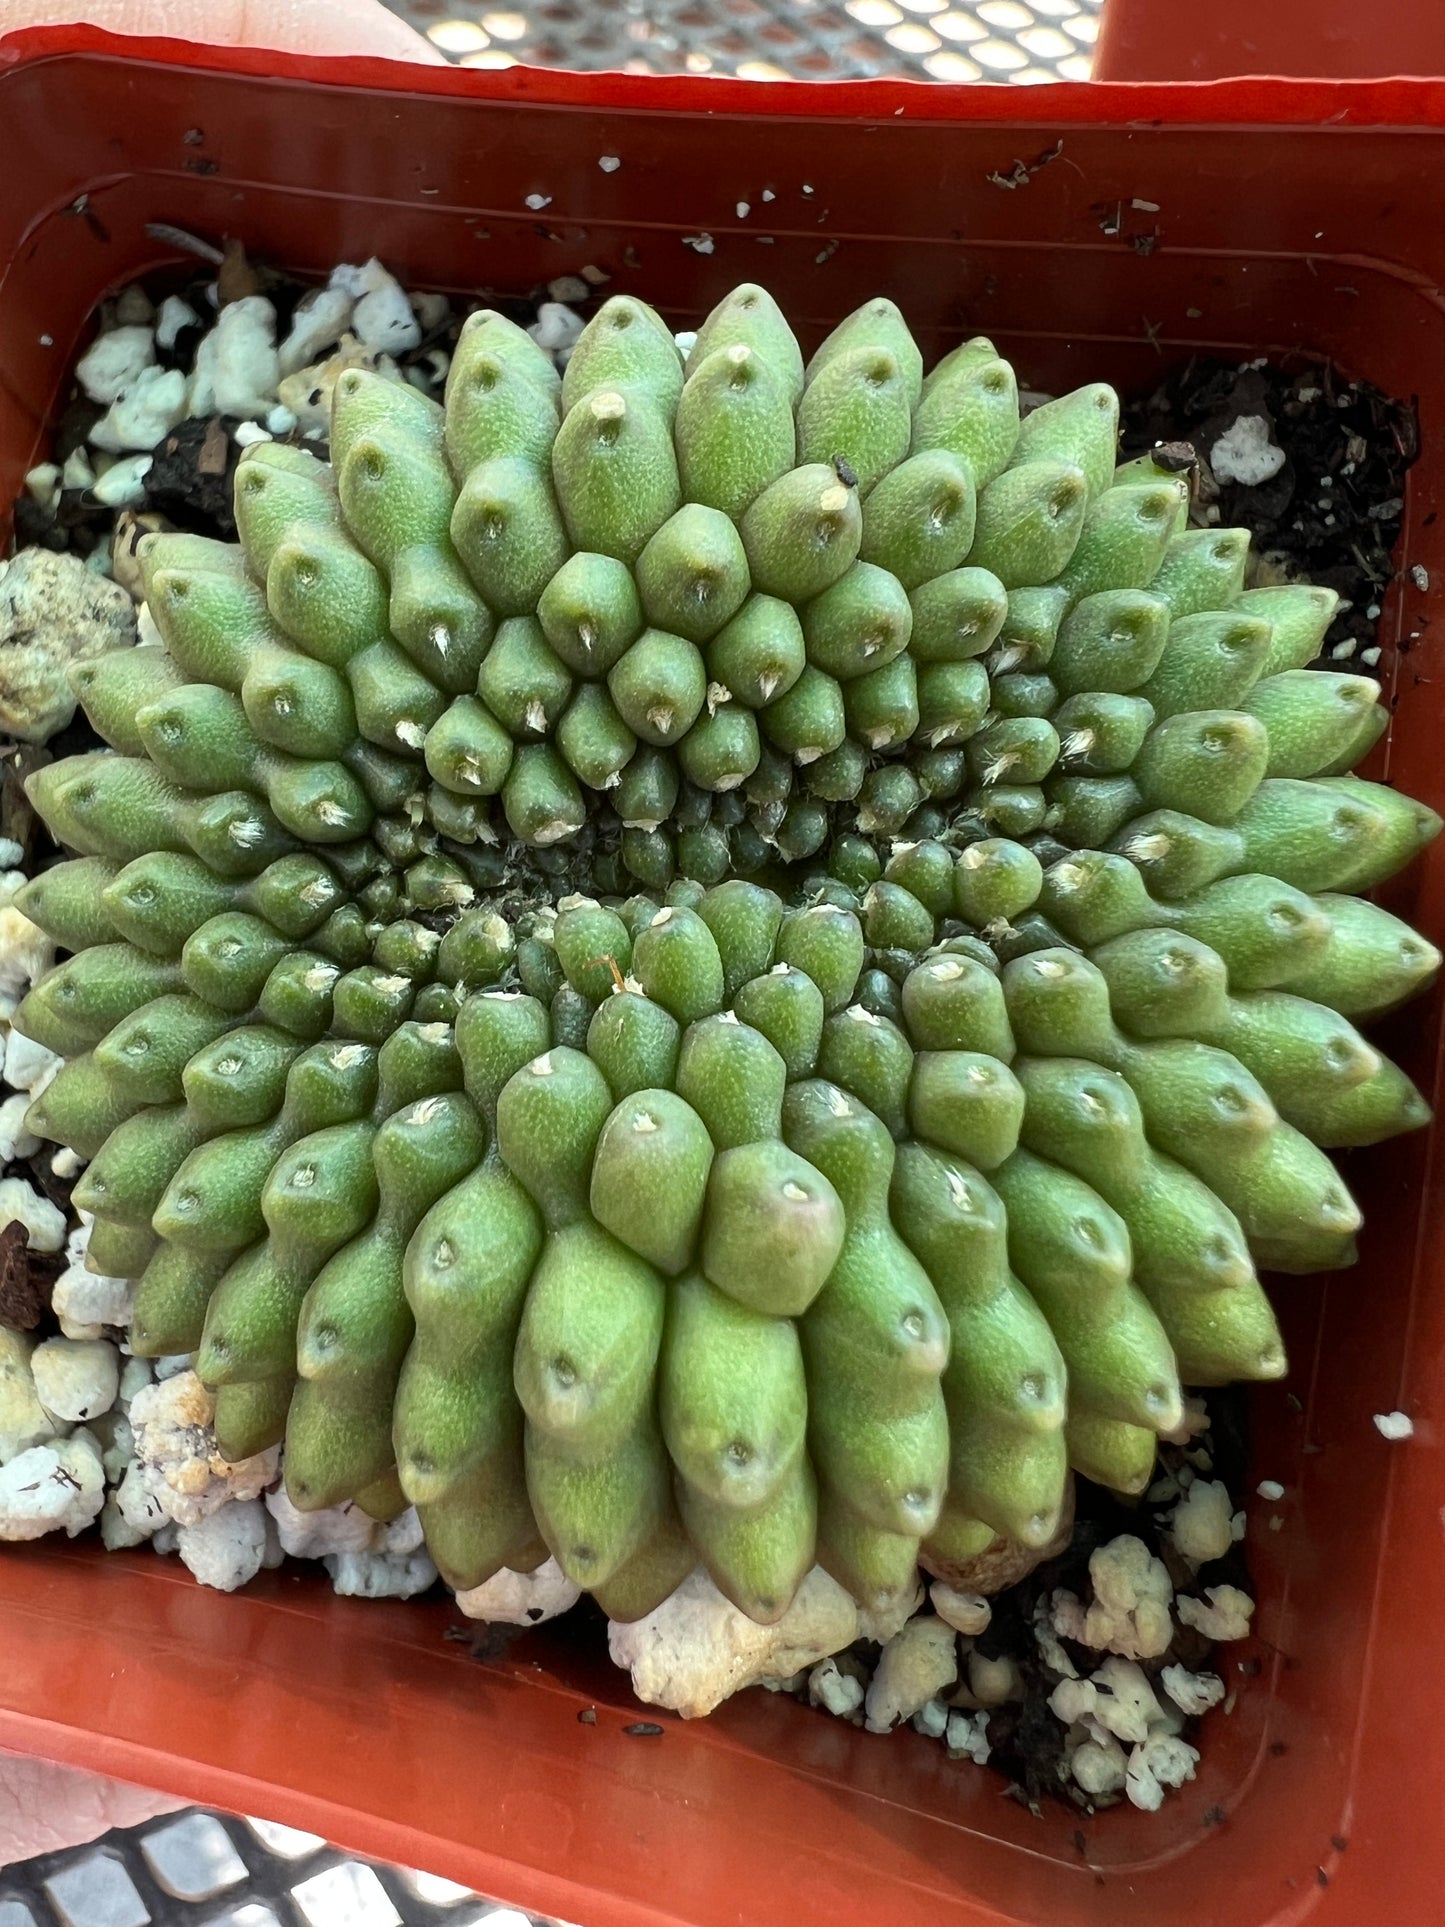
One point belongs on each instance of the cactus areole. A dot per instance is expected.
(976, 1029)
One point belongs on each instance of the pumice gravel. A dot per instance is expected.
(695, 976)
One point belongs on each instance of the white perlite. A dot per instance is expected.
(53, 611)
(179, 1464)
(1129, 1614)
(1394, 1426)
(227, 1548)
(917, 1664)
(237, 366)
(314, 1535)
(968, 1613)
(51, 1488)
(522, 1598)
(1201, 1527)
(697, 1649)
(76, 1378)
(1226, 1616)
(113, 361)
(21, 1203)
(1245, 453)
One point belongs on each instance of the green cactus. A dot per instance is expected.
(910, 1137)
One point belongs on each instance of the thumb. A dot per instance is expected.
(290, 26)
(43, 1807)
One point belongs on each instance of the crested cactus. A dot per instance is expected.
(919, 1127)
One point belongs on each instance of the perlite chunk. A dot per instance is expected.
(521, 1598)
(1226, 1616)
(916, 1665)
(180, 1465)
(1129, 1614)
(51, 1488)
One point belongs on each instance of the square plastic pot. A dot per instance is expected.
(1289, 217)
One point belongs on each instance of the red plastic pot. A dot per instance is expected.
(1142, 40)
(1288, 216)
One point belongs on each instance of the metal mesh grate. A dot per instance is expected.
(202, 1869)
(1026, 41)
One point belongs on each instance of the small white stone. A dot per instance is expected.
(1129, 1614)
(86, 1301)
(28, 1064)
(993, 1681)
(113, 361)
(966, 1737)
(931, 1720)
(968, 1613)
(402, 1534)
(1201, 1523)
(76, 1379)
(537, 202)
(15, 1140)
(521, 1598)
(1244, 453)
(835, 1691)
(142, 414)
(1270, 1489)
(609, 163)
(117, 1534)
(44, 1222)
(1192, 1693)
(280, 421)
(556, 327)
(1124, 1702)
(77, 471)
(1099, 1767)
(697, 1648)
(141, 1512)
(916, 1665)
(1394, 1426)
(237, 365)
(699, 243)
(1158, 1762)
(123, 484)
(177, 1456)
(1225, 1616)
(174, 317)
(10, 852)
(172, 1365)
(383, 320)
(1073, 1700)
(321, 318)
(51, 1488)
(224, 1550)
(312, 1535)
(42, 484)
(380, 1575)
(247, 434)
